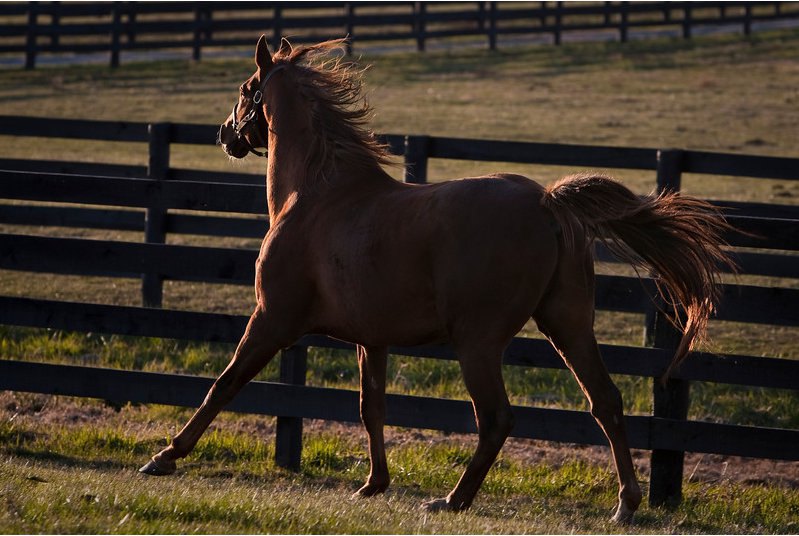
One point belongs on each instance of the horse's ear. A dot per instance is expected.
(285, 47)
(263, 59)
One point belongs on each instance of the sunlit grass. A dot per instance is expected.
(81, 481)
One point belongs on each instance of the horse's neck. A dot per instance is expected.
(285, 176)
(287, 180)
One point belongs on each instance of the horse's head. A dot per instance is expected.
(310, 99)
(245, 129)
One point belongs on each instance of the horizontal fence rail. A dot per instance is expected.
(217, 327)
(36, 28)
(158, 200)
(455, 416)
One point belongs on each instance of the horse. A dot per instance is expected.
(359, 256)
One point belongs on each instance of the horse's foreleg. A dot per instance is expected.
(372, 365)
(483, 378)
(256, 348)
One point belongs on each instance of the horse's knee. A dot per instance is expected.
(222, 391)
(608, 406)
(495, 425)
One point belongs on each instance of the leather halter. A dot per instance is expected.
(254, 113)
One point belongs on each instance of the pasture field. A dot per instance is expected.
(721, 94)
(61, 478)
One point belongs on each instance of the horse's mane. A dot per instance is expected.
(338, 112)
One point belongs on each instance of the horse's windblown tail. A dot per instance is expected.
(678, 238)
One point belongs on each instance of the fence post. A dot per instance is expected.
(492, 25)
(288, 431)
(558, 22)
(55, 19)
(199, 17)
(116, 30)
(350, 9)
(417, 149)
(155, 215)
(747, 18)
(419, 11)
(30, 38)
(671, 400)
(277, 26)
(686, 21)
(624, 8)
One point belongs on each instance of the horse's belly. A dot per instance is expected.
(383, 314)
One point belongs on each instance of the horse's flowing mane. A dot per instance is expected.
(338, 112)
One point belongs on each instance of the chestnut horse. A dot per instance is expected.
(359, 256)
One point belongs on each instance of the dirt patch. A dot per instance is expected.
(44, 410)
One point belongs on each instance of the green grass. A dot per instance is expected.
(727, 94)
(229, 485)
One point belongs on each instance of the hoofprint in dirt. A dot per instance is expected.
(41, 413)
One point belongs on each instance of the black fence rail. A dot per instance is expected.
(145, 199)
(35, 28)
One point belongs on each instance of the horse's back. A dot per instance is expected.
(497, 252)
(413, 264)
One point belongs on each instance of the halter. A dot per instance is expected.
(252, 115)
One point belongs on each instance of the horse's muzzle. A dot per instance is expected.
(230, 142)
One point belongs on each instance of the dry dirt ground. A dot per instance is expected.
(41, 412)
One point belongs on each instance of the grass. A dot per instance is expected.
(229, 485)
(722, 94)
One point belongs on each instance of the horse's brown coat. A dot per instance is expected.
(357, 255)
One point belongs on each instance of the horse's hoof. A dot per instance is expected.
(437, 505)
(623, 516)
(370, 490)
(154, 468)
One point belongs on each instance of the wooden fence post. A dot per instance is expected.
(492, 25)
(196, 46)
(623, 24)
(30, 38)
(277, 26)
(350, 9)
(55, 20)
(203, 32)
(116, 31)
(288, 431)
(748, 19)
(419, 11)
(686, 21)
(417, 149)
(671, 400)
(155, 215)
(558, 22)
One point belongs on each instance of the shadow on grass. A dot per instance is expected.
(67, 461)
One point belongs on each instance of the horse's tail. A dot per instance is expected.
(676, 237)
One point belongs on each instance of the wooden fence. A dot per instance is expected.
(33, 28)
(157, 190)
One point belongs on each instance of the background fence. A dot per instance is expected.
(35, 28)
(161, 196)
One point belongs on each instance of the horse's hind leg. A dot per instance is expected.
(372, 365)
(256, 348)
(482, 373)
(566, 318)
